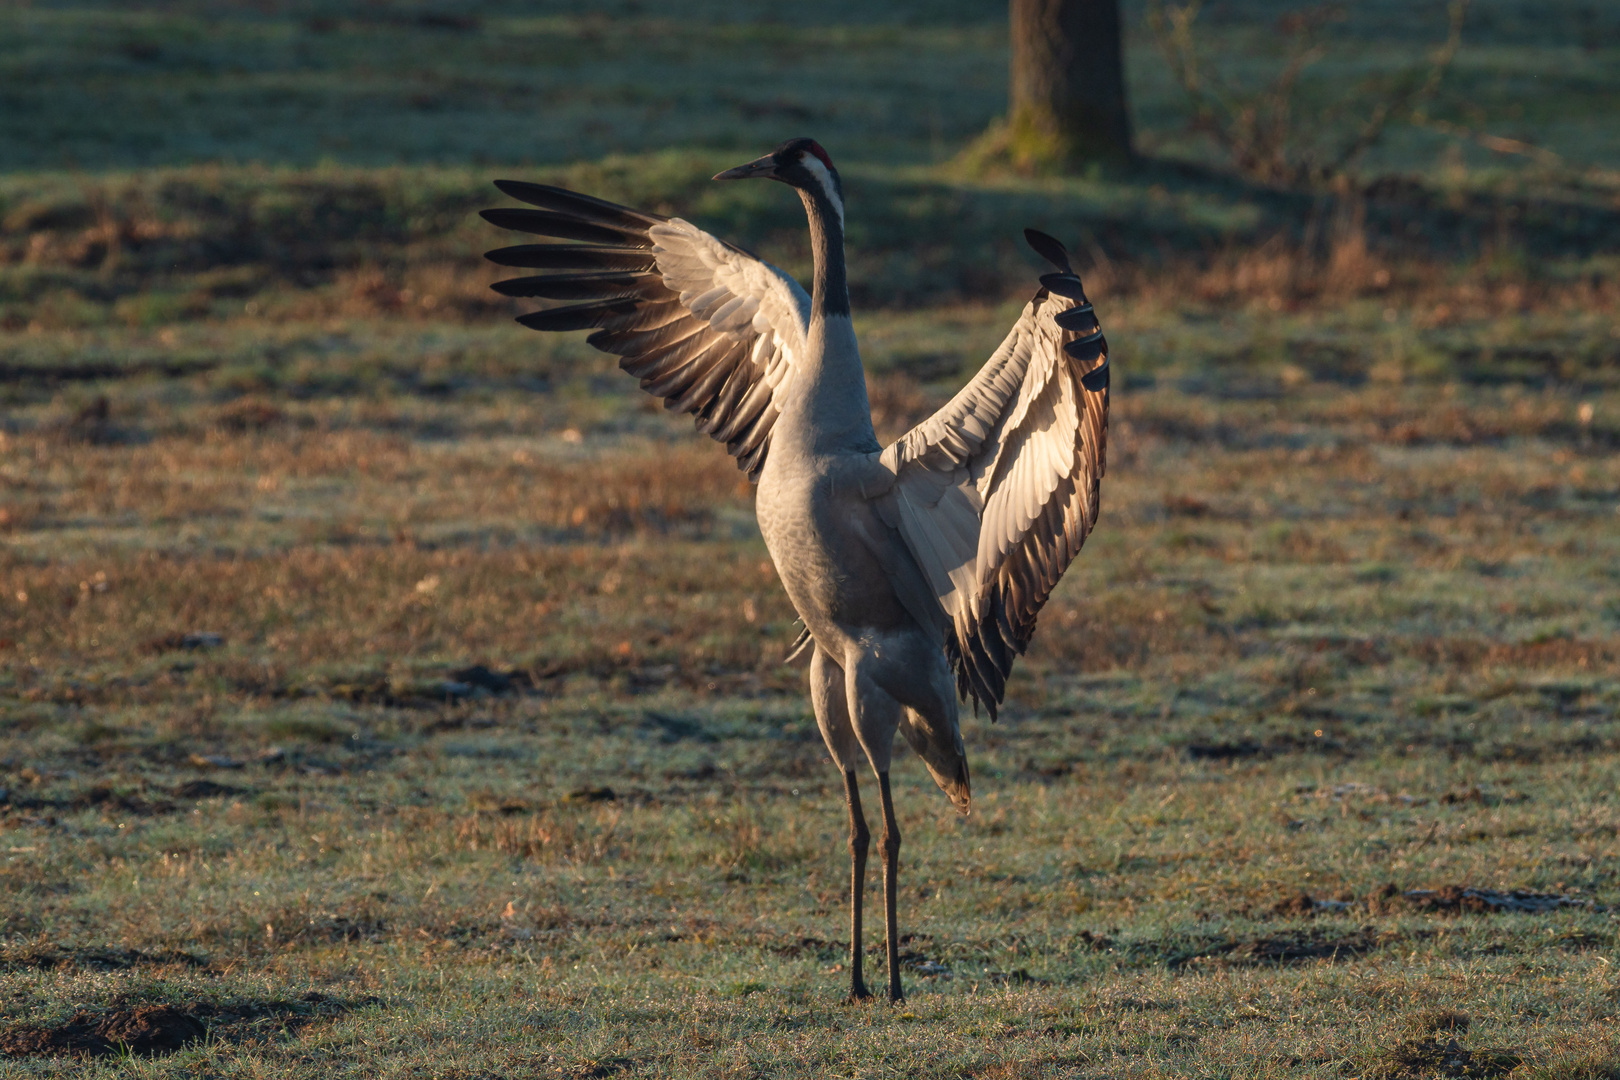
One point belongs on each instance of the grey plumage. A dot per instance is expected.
(918, 569)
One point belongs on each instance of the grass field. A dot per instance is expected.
(386, 690)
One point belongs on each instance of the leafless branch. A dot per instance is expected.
(1264, 130)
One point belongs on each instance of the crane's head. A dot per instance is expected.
(799, 163)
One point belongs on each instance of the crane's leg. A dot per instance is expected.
(876, 716)
(890, 846)
(828, 697)
(859, 841)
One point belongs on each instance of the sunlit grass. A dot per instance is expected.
(1325, 639)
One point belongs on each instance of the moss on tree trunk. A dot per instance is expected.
(1067, 102)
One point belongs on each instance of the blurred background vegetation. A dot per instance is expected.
(118, 86)
(169, 162)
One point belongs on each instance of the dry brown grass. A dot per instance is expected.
(229, 470)
(498, 547)
(431, 292)
(1281, 274)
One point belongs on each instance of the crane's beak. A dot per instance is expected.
(760, 168)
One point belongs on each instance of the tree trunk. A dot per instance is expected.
(1068, 80)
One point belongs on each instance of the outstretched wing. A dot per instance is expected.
(704, 325)
(995, 493)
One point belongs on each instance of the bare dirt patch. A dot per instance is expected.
(1463, 899)
(150, 1030)
(146, 1030)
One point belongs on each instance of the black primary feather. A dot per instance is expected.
(582, 286)
(1082, 318)
(1096, 380)
(580, 316)
(565, 227)
(1065, 285)
(573, 202)
(1087, 348)
(573, 257)
(1049, 249)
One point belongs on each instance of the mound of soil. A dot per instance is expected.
(146, 1030)
(1462, 898)
(1450, 899)
(149, 1030)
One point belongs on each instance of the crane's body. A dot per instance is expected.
(903, 562)
(810, 503)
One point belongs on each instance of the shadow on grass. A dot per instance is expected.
(1435, 1046)
(100, 959)
(1272, 949)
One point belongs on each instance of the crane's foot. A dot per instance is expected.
(896, 995)
(858, 995)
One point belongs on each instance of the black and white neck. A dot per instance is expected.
(802, 164)
(823, 198)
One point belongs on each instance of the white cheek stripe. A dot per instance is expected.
(824, 178)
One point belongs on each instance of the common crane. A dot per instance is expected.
(918, 569)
